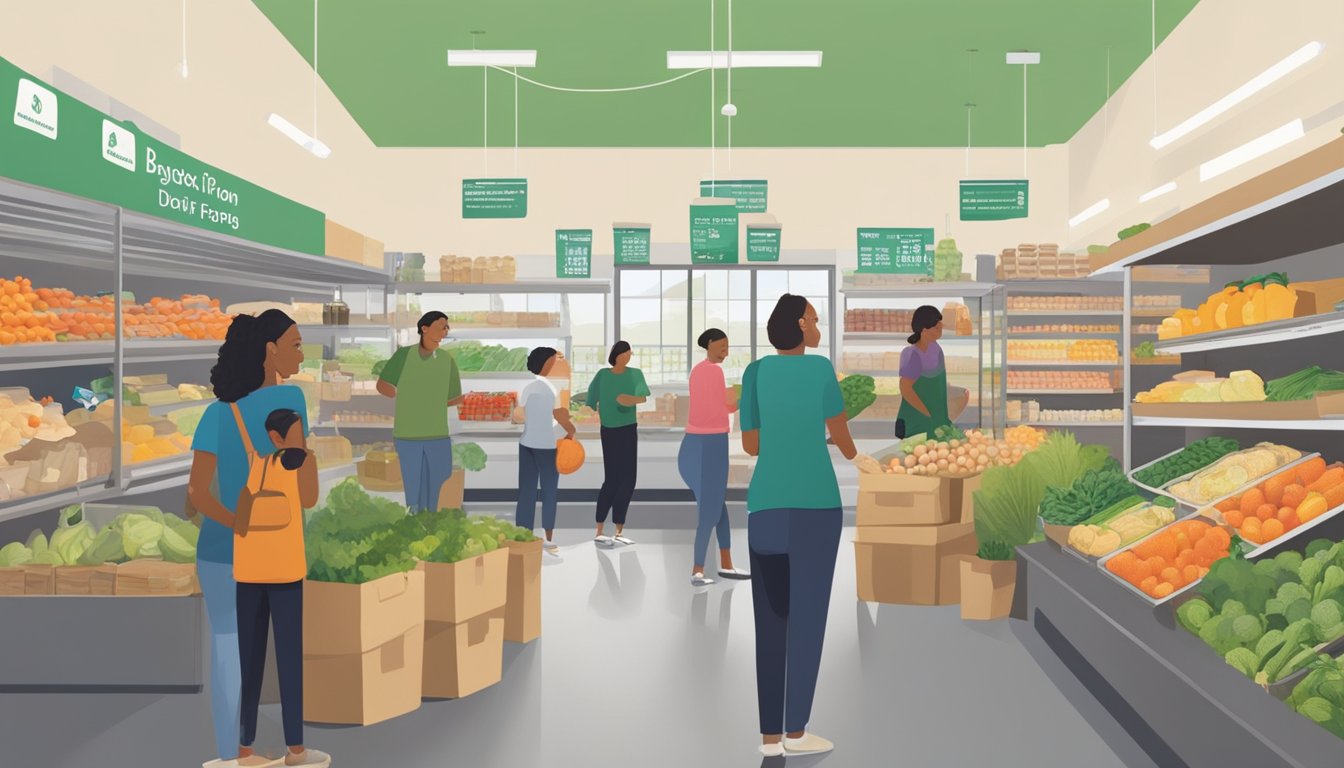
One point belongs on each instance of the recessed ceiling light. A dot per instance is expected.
(478, 58)
(742, 59)
(1024, 57)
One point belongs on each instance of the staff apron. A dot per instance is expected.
(932, 390)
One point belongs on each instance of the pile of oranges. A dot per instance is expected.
(31, 315)
(1286, 500)
(1173, 558)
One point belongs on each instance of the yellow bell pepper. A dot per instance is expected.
(1256, 308)
(1281, 302)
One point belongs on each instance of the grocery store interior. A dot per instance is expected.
(1122, 547)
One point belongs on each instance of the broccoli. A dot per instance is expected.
(1193, 614)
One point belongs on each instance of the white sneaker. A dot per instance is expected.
(623, 539)
(551, 549)
(309, 758)
(251, 761)
(809, 744)
(604, 541)
(773, 750)
(700, 580)
(735, 573)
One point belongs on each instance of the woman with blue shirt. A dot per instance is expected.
(790, 400)
(257, 355)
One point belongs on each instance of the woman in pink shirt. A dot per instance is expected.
(703, 459)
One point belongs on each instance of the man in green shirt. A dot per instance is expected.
(425, 383)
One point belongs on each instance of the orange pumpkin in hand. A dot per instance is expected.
(569, 456)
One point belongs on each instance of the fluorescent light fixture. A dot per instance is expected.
(1248, 89)
(742, 59)
(475, 58)
(1252, 149)
(299, 137)
(1090, 212)
(1153, 194)
(1024, 57)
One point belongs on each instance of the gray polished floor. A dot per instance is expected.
(635, 667)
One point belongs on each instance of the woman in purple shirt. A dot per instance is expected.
(923, 377)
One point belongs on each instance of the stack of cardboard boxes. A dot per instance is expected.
(363, 646)
(912, 534)
(464, 624)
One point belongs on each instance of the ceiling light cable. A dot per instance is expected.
(515, 121)
(184, 38)
(624, 89)
(713, 105)
(1152, 55)
(315, 69)
(730, 85)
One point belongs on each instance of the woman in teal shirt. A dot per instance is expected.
(614, 393)
(790, 400)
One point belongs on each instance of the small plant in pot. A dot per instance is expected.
(988, 581)
(467, 457)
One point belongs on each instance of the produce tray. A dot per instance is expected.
(1096, 562)
(1260, 549)
(1166, 489)
(1322, 406)
(1153, 601)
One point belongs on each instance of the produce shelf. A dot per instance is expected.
(1317, 521)
(1063, 364)
(1151, 312)
(1063, 335)
(1065, 391)
(373, 329)
(481, 334)
(1313, 425)
(919, 290)
(1065, 313)
(96, 489)
(167, 408)
(902, 337)
(149, 470)
(498, 376)
(521, 286)
(147, 351)
(1261, 333)
(26, 357)
(1181, 702)
(1069, 424)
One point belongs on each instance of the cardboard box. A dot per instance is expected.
(11, 581)
(154, 577)
(912, 565)
(463, 658)
(356, 618)
(372, 253)
(987, 588)
(86, 579)
(522, 612)
(456, 592)
(1317, 297)
(344, 243)
(365, 688)
(1321, 406)
(911, 500)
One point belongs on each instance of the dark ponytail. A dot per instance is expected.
(241, 368)
(926, 317)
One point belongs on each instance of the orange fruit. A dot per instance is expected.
(1156, 564)
(1140, 570)
(1185, 558)
(1234, 517)
(1274, 486)
(1271, 529)
(1288, 516)
(1250, 530)
(1251, 501)
(1311, 470)
(1294, 495)
(1172, 575)
(1227, 505)
(1266, 512)
(1191, 573)
(1148, 584)
(1163, 589)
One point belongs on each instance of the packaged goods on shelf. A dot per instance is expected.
(1146, 328)
(1065, 303)
(1031, 411)
(1062, 380)
(479, 271)
(503, 319)
(488, 406)
(361, 417)
(1063, 328)
(663, 413)
(1044, 261)
(1085, 350)
(1157, 302)
(956, 320)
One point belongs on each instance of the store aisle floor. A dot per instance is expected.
(635, 667)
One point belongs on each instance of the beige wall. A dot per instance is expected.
(1220, 45)
(242, 69)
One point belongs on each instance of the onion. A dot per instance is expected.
(911, 461)
(942, 465)
(956, 443)
(921, 449)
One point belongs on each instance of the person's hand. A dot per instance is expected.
(569, 433)
(626, 400)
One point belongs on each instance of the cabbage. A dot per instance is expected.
(69, 540)
(140, 536)
(14, 553)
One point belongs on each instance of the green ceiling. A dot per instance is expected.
(894, 73)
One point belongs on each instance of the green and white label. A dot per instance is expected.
(494, 198)
(763, 243)
(118, 146)
(750, 195)
(36, 109)
(574, 253)
(713, 234)
(632, 245)
(990, 200)
(899, 251)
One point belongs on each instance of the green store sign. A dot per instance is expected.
(714, 233)
(632, 244)
(763, 242)
(574, 253)
(898, 251)
(994, 200)
(750, 196)
(56, 141)
(494, 198)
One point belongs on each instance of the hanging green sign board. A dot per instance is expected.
(574, 253)
(993, 200)
(631, 244)
(750, 196)
(56, 141)
(763, 243)
(713, 233)
(899, 251)
(494, 198)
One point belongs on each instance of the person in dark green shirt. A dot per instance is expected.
(425, 382)
(790, 400)
(614, 394)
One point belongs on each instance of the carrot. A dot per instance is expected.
(1311, 470)
(1329, 479)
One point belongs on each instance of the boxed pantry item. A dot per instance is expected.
(365, 688)
(912, 565)
(342, 619)
(1317, 297)
(463, 658)
(456, 592)
(155, 577)
(987, 588)
(522, 611)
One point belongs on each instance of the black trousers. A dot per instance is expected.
(282, 606)
(620, 457)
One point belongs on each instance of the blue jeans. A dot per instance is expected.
(221, 606)
(703, 463)
(792, 566)
(425, 466)
(278, 607)
(536, 466)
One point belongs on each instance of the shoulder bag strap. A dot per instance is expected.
(242, 430)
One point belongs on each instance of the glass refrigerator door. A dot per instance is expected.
(812, 284)
(722, 299)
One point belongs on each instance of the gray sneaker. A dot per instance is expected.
(311, 758)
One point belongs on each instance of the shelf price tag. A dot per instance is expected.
(632, 243)
(994, 200)
(898, 251)
(713, 231)
(494, 198)
(574, 253)
(763, 242)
